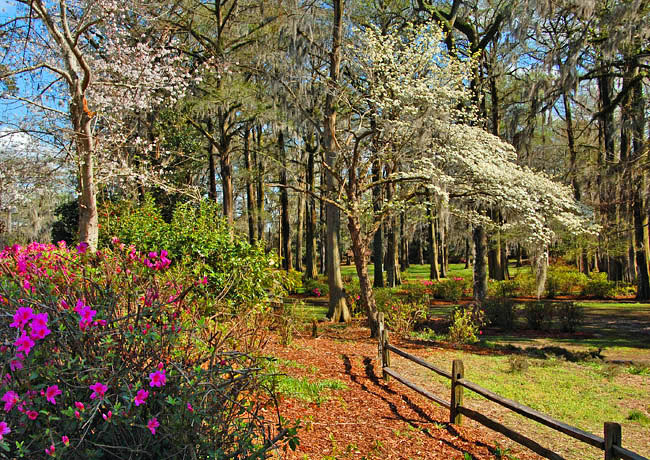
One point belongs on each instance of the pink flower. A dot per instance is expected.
(64, 304)
(77, 414)
(11, 399)
(141, 397)
(107, 416)
(32, 414)
(87, 313)
(16, 364)
(189, 407)
(51, 393)
(39, 333)
(24, 343)
(50, 450)
(99, 390)
(82, 247)
(22, 315)
(4, 429)
(39, 321)
(158, 378)
(65, 440)
(152, 424)
(79, 405)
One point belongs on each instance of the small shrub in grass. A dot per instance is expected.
(526, 285)
(639, 417)
(401, 316)
(106, 355)
(518, 364)
(598, 286)
(570, 315)
(316, 288)
(500, 313)
(429, 335)
(538, 315)
(465, 325)
(418, 290)
(564, 280)
(452, 289)
(610, 371)
(502, 289)
(639, 369)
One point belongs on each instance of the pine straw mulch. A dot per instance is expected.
(372, 419)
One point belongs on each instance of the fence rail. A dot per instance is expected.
(610, 444)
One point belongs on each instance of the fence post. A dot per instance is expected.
(385, 353)
(380, 338)
(613, 437)
(457, 373)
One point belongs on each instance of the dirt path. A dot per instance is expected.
(372, 419)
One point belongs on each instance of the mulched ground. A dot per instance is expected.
(372, 419)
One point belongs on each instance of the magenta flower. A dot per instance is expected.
(22, 315)
(99, 390)
(4, 429)
(39, 333)
(158, 378)
(50, 450)
(82, 247)
(87, 314)
(32, 414)
(10, 399)
(16, 364)
(65, 440)
(39, 321)
(152, 424)
(107, 416)
(140, 397)
(79, 405)
(51, 393)
(189, 407)
(24, 344)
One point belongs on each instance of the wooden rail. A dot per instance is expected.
(610, 444)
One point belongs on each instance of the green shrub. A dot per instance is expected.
(316, 287)
(518, 364)
(599, 286)
(200, 240)
(418, 290)
(502, 289)
(465, 325)
(570, 315)
(564, 280)
(538, 315)
(401, 316)
(526, 285)
(501, 313)
(452, 289)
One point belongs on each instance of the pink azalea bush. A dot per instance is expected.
(106, 355)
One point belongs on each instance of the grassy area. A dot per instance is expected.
(311, 390)
(584, 395)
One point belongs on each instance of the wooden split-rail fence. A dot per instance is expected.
(610, 444)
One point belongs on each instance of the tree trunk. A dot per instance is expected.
(434, 270)
(338, 308)
(250, 195)
(480, 264)
(420, 248)
(367, 296)
(226, 184)
(300, 231)
(284, 206)
(377, 241)
(260, 185)
(84, 140)
(212, 173)
(392, 268)
(312, 223)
